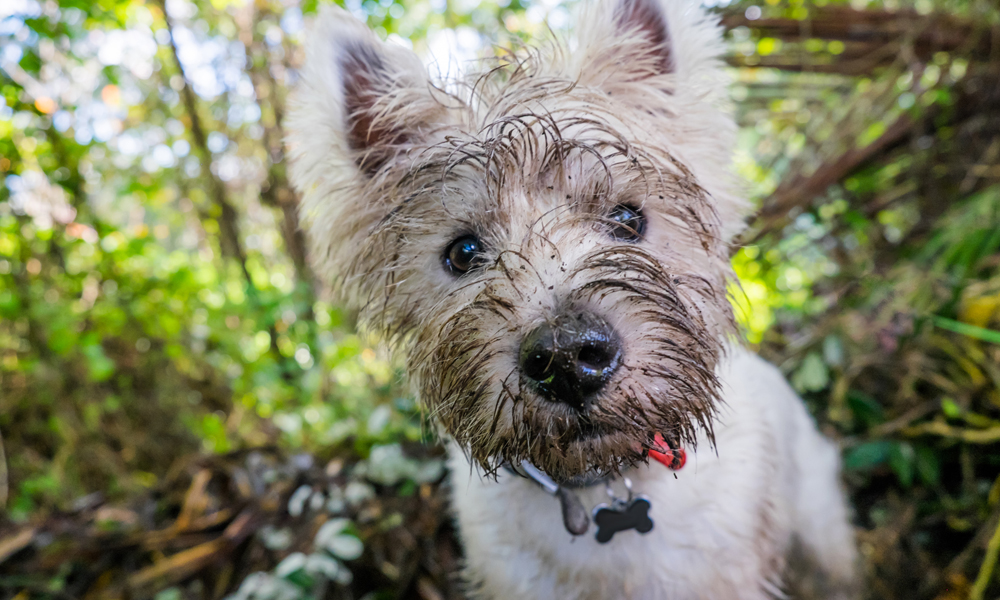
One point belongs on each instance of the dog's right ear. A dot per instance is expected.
(360, 106)
(360, 100)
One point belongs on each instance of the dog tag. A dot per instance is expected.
(574, 514)
(610, 519)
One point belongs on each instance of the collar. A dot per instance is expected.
(671, 456)
(621, 514)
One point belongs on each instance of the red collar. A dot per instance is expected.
(672, 458)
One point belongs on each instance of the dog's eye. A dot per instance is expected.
(463, 254)
(627, 223)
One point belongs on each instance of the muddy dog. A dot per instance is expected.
(545, 243)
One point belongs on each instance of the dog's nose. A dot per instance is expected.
(571, 358)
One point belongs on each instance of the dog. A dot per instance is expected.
(545, 243)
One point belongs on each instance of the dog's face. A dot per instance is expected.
(547, 244)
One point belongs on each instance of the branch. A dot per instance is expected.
(13, 544)
(4, 484)
(986, 569)
(925, 34)
(228, 226)
(974, 97)
(957, 434)
(187, 563)
(276, 191)
(230, 242)
(856, 60)
(796, 191)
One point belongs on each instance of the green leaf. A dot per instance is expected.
(928, 466)
(865, 408)
(901, 459)
(868, 456)
(951, 409)
(980, 333)
(100, 367)
(813, 375)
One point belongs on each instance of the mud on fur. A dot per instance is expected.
(546, 243)
(530, 157)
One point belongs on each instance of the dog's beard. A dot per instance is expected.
(469, 381)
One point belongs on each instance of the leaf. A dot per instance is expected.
(928, 466)
(813, 375)
(378, 420)
(331, 537)
(346, 547)
(901, 459)
(833, 351)
(100, 367)
(980, 333)
(172, 593)
(868, 456)
(292, 564)
(951, 409)
(865, 408)
(323, 565)
(329, 530)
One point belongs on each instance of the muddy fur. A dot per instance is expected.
(531, 155)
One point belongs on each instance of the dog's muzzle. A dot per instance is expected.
(571, 358)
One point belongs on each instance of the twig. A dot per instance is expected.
(184, 564)
(14, 544)
(904, 420)
(797, 191)
(4, 489)
(942, 429)
(928, 33)
(986, 569)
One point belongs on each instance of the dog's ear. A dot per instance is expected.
(359, 108)
(361, 99)
(644, 22)
(663, 58)
(665, 42)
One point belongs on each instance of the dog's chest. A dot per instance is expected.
(719, 529)
(700, 541)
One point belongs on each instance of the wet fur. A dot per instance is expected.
(531, 155)
(531, 158)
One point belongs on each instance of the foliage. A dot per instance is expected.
(871, 270)
(156, 301)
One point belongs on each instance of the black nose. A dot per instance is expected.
(571, 358)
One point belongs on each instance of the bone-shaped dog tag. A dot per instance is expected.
(632, 515)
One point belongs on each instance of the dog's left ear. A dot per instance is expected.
(669, 43)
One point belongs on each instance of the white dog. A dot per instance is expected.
(546, 243)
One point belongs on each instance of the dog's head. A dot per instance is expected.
(546, 242)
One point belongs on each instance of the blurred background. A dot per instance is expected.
(185, 414)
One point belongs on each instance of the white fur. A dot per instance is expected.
(700, 131)
(773, 472)
(703, 134)
(725, 525)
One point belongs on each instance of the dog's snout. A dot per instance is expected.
(571, 358)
